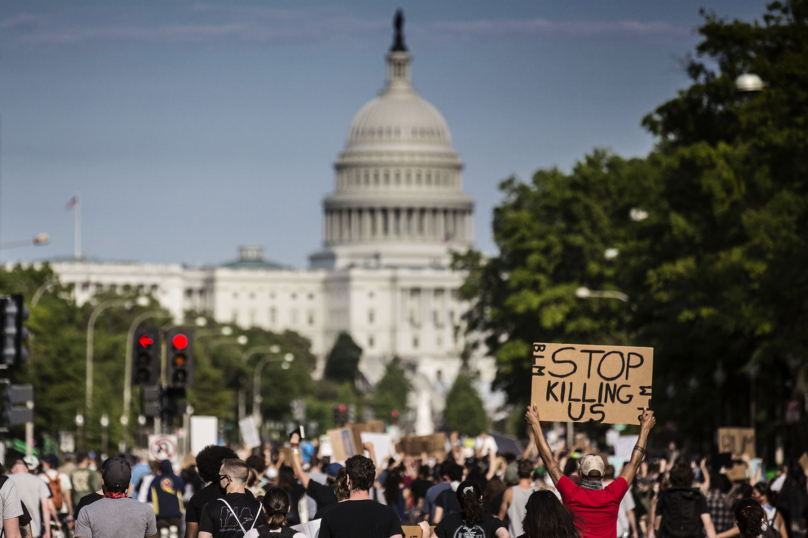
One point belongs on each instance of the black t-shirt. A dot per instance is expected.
(360, 519)
(664, 499)
(219, 520)
(193, 512)
(448, 501)
(454, 526)
(495, 504)
(84, 501)
(321, 512)
(419, 487)
(323, 495)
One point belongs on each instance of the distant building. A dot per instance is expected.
(382, 274)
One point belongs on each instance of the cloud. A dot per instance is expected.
(217, 24)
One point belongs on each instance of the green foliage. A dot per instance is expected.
(342, 363)
(464, 411)
(391, 391)
(716, 270)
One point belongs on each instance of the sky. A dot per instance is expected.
(190, 128)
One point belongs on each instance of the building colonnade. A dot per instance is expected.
(343, 225)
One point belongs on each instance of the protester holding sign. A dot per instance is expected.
(598, 507)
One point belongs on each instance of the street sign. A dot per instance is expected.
(164, 447)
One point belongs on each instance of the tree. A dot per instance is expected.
(464, 412)
(392, 390)
(342, 363)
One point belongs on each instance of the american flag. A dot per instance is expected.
(72, 203)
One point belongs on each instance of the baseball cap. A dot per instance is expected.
(116, 472)
(333, 469)
(32, 462)
(592, 464)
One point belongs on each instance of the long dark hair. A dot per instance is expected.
(276, 505)
(391, 486)
(750, 516)
(470, 496)
(547, 517)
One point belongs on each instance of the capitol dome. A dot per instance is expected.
(399, 197)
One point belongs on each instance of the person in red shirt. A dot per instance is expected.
(596, 506)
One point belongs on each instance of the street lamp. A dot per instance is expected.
(242, 398)
(79, 428)
(288, 358)
(586, 293)
(749, 82)
(37, 240)
(104, 433)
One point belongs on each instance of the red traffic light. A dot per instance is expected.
(145, 341)
(343, 408)
(395, 413)
(179, 341)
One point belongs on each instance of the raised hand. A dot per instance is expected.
(532, 415)
(647, 420)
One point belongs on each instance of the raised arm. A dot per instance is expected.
(532, 417)
(297, 464)
(705, 485)
(647, 422)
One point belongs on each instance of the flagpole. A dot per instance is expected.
(77, 228)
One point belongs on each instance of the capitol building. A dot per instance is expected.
(382, 273)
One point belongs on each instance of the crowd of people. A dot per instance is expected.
(295, 492)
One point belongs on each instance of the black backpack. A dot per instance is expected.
(25, 518)
(681, 517)
(286, 532)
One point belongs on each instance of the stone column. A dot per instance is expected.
(377, 214)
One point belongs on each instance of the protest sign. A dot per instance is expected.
(382, 445)
(342, 444)
(803, 461)
(415, 445)
(414, 531)
(736, 442)
(204, 432)
(249, 432)
(371, 426)
(624, 446)
(582, 383)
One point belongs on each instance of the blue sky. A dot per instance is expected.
(190, 128)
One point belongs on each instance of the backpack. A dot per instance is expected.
(56, 491)
(25, 518)
(681, 518)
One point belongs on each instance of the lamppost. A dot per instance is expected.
(257, 381)
(88, 403)
(79, 429)
(37, 240)
(42, 289)
(242, 398)
(104, 433)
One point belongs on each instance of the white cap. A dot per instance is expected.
(592, 464)
(32, 462)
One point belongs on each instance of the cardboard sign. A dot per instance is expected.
(249, 432)
(803, 461)
(415, 445)
(736, 441)
(342, 444)
(583, 383)
(371, 426)
(414, 531)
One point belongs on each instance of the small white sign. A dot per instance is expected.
(204, 432)
(382, 445)
(164, 447)
(249, 432)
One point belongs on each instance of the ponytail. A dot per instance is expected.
(276, 505)
(470, 496)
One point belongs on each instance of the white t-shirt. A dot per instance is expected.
(31, 490)
(626, 504)
(484, 445)
(10, 506)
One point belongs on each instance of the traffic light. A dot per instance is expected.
(395, 415)
(150, 400)
(146, 350)
(15, 395)
(179, 345)
(14, 332)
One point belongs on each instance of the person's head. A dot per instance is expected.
(571, 467)
(19, 467)
(50, 462)
(592, 467)
(32, 462)
(286, 478)
(392, 484)
(494, 487)
(341, 485)
(455, 472)
(82, 459)
(233, 475)
(166, 468)
(423, 472)
(116, 475)
(609, 472)
(681, 476)
(525, 470)
(314, 464)
(763, 494)
(209, 461)
(546, 516)
(258, 463)
(443, 470)
(276, 506)
(361, 473)
(749, 516)
(470, 496)
(331, 472)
